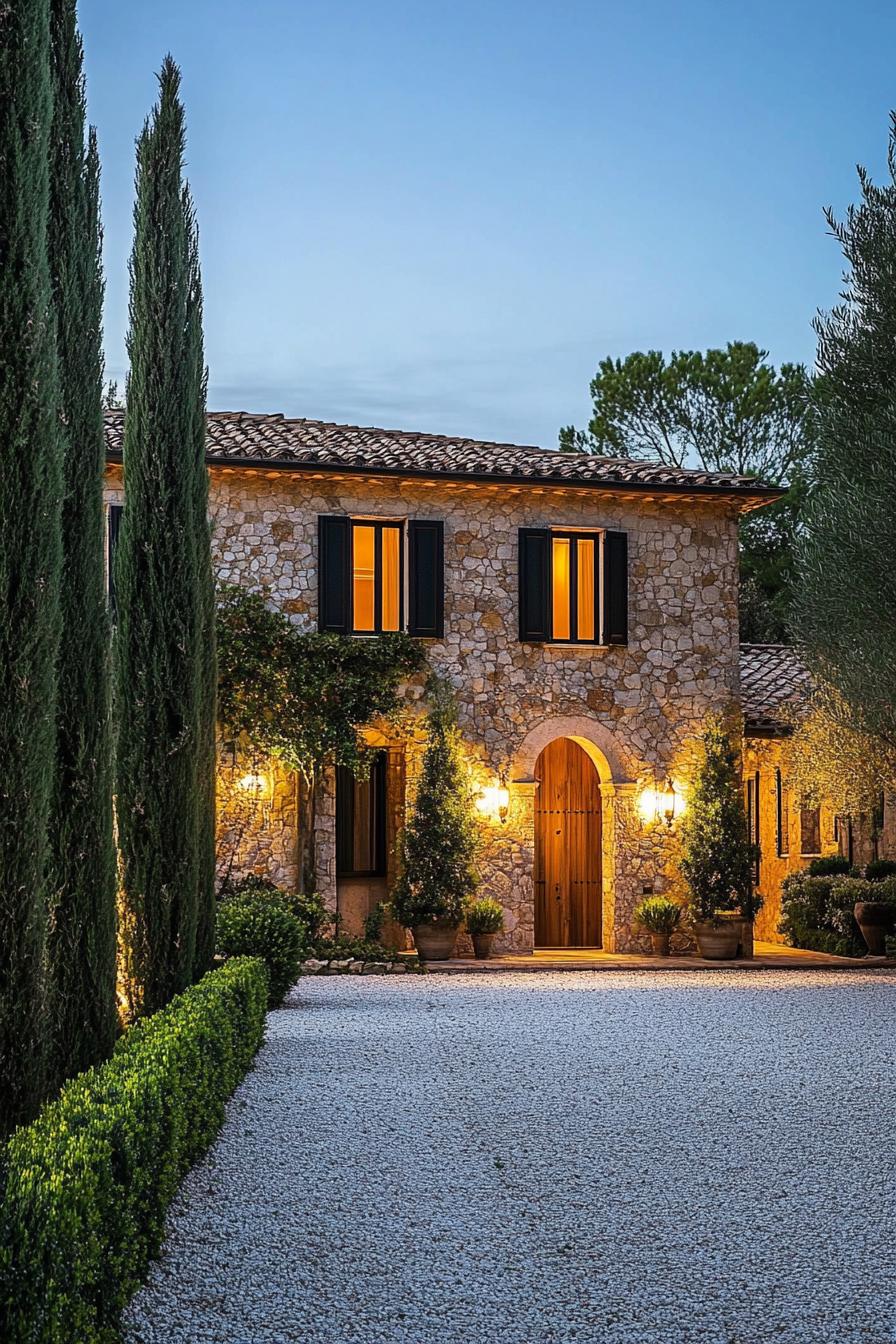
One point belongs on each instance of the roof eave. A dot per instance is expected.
(749, 499)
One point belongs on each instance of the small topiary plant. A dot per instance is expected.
(880, 869)
(717, 854)
(658, 914)
(307, 907)
(261, 928)
(485, 916)
(831, 865)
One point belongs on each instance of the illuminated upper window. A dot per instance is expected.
(575, 612)
(376, 573)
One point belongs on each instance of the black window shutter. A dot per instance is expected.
(334, 561)
(615, 588)
(535, 584)
(426, 579)
(115, 512)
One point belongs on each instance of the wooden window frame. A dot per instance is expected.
(753, 803)
(345, 816)
(379, 526)
(573, 536)
(782, 832)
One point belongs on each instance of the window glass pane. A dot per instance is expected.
(560, 587)
(810, 830)
(585, 551)
(363, 576)
(391, 578)
(363, 855)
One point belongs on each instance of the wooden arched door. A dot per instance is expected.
(567, 848)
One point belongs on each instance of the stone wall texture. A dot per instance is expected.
(637, 710)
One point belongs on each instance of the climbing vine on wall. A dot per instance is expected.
(304, 697)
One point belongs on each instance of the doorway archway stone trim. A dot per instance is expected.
(610, 760)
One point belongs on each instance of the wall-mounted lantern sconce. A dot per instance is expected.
(661, 803)
(258, 784)
(494, 801)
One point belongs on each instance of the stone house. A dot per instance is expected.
(584, 609)
(787, 832)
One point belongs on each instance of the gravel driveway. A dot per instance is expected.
(604, 1158)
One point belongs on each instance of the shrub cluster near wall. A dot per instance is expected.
(87, 1184)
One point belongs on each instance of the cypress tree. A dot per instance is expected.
(158, 646)
(82, 901)
(206, 750)
(30, 547)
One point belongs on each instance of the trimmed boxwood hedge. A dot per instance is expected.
(85, 1187)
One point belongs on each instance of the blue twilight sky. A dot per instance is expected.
(441, 216)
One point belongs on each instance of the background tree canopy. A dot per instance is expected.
(846, 598)
(725, 410)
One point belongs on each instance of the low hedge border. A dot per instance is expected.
(84, 1189)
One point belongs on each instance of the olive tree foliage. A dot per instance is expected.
(303, 698)
(723, 410)
(846, 599)
(825, 758)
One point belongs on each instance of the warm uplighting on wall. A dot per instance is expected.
(494, 802)
(661, 802)
(258, 784)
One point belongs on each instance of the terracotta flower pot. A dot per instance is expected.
(482, 945)
(717, 942)
(744, 933)
(435, 940)
(660, 944)
(875, 920)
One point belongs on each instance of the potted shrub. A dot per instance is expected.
(660, 916)
(717, 856)
(439, 843)
(874, 910)
(485, 920)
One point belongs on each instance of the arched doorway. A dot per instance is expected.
(567, 847)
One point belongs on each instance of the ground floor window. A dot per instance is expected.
(361, 821)
(782, 816)
(810, 831)
(753, 819)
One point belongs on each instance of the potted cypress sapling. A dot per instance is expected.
(438, 846)
(717, 855)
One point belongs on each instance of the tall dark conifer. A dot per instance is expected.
(83, 878)
(30, 548)
(159, 651)
(206, 748)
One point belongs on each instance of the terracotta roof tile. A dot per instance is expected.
(771, 676)
(245, 439)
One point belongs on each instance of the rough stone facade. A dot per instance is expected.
(637, 709)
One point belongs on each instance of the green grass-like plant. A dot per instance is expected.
(485, 916)
(658, 914)
(87, 1184)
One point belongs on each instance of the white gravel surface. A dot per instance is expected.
(637, 1158)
